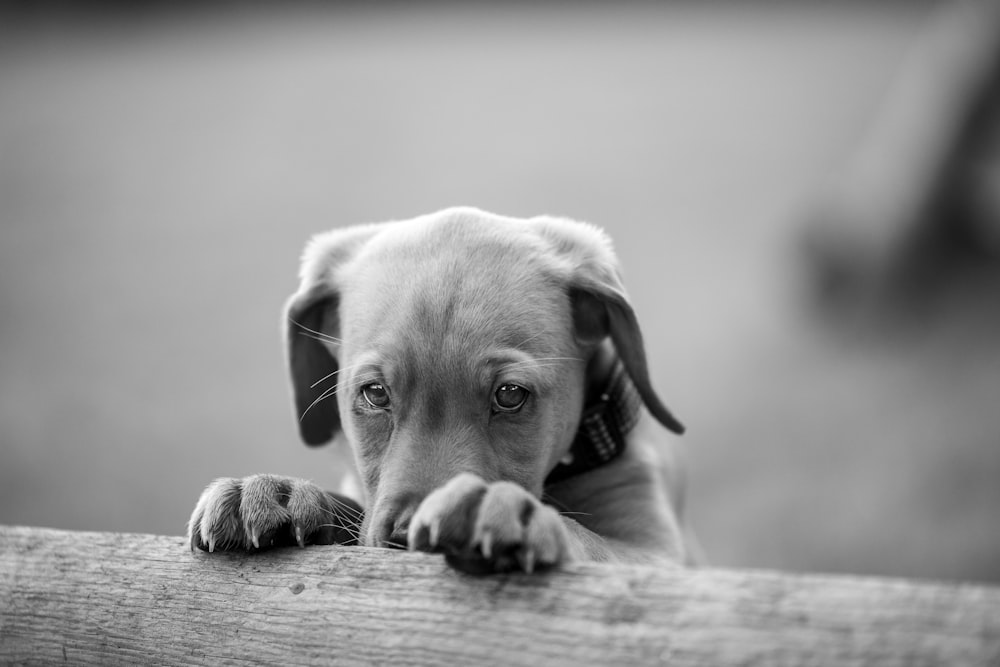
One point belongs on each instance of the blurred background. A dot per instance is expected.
(788, 185)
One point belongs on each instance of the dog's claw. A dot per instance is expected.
(299, 537)
(433, 533)
(255, 538)
(211, 543)
(526, 559)
(486, 545)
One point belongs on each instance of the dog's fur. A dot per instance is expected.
(434, 315)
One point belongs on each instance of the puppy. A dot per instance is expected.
(489, 376)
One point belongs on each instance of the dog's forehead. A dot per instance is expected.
(482, 237)
(478, 281)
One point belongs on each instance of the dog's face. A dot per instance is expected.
(453, 343)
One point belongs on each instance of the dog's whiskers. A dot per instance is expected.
(341, 506)
(358, 382)
(559, 507)
(353, 532)
(333, 390)
(330, 375)
(315, 337)
(326, 394)
(318, 335)
(324, 378)
(352, 528)
(394, 545)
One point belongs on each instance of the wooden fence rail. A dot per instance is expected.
(103, 598)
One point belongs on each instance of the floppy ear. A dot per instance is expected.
(310, 319)
(312, 331)
(601, 307)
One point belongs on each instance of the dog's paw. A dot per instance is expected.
(485, 527)
(263, 511)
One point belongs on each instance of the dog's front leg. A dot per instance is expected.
(492, 527)
(263, 511)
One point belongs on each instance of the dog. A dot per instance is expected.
(489, 376)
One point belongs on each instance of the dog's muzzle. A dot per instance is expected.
(391, 521)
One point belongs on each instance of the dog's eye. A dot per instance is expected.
(510, 397)
(376, 395)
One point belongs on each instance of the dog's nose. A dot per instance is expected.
(393, 529)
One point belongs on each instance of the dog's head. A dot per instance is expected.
(454, 342)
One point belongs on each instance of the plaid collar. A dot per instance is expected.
(603, 427)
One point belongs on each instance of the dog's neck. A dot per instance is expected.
(611, 410)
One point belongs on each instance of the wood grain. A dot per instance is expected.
(102, 598)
